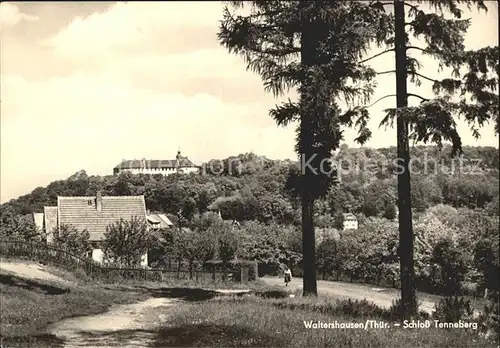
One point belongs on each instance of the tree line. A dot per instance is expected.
(260, 189)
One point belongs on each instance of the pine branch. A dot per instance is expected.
(416, 48)
(411, 6)
(422, 76)
(386, 72)
(379, 99)
(383, 3)
(417, 96)
(377, 55)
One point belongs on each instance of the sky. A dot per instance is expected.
(87, 84)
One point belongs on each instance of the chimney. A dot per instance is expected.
(98, 201)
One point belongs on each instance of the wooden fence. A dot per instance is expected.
(48, 254)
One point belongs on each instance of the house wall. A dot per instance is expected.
(38, 217)
(98, 255)
(190, 170)
(144, 260)
(350, 225)
(154, 171)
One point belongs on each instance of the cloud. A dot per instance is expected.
(137, 80)
(142, 41)
(10, 15)
(90, 121)
(145, 27)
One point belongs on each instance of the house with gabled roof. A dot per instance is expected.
(94, 214)
(158, 221)
(180, 165)
(350, 221)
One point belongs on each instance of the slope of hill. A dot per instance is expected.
(251, 187)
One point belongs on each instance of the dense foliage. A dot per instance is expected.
(456, 220)
(256, 187)
(126, 241)
(75, 242)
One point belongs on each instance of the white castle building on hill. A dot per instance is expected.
(164, 167)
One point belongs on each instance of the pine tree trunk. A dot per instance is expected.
(309, 248)
(307, 55)
(404, 189)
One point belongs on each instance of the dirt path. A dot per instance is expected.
(382, 297)
(130, 325)
(31, 271)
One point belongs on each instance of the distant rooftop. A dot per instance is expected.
(178, 162)
(95, 214)
(350, 216)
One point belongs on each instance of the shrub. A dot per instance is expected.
(490, 319)
(486, 260)
(453, 309)
(73, 241)
(452, 268)
(277, 293)
(126, 241)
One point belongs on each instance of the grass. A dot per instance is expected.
(256, 322)
(29, 306)
(268, 318)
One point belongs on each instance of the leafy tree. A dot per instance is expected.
(308, 45)
(194, 245)
(126, 241)
(328, 258)
(493, 207)
(425, 192)
(452, 266)
(163, 252)
(75, 242)
(487, 262)
(270, 244)
(228, 245)
(390, 212)
(378, 196)
(15, 226)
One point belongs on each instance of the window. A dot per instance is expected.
(89, 202)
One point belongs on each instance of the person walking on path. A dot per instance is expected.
(288, 275)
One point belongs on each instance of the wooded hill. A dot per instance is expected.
(251, 187)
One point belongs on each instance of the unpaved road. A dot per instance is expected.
(131, 325)
(30, 271)
(382, 297)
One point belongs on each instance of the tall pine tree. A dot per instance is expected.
(313, 47)
(470, 92)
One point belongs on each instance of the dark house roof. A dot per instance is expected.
(84, 213)
(159, 220)
(350, 217)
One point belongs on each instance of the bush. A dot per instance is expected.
(453, 309)
(277, 293)
(126, 241)
(75, 242)
(489, 319)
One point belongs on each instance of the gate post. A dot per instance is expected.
(244, 275)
